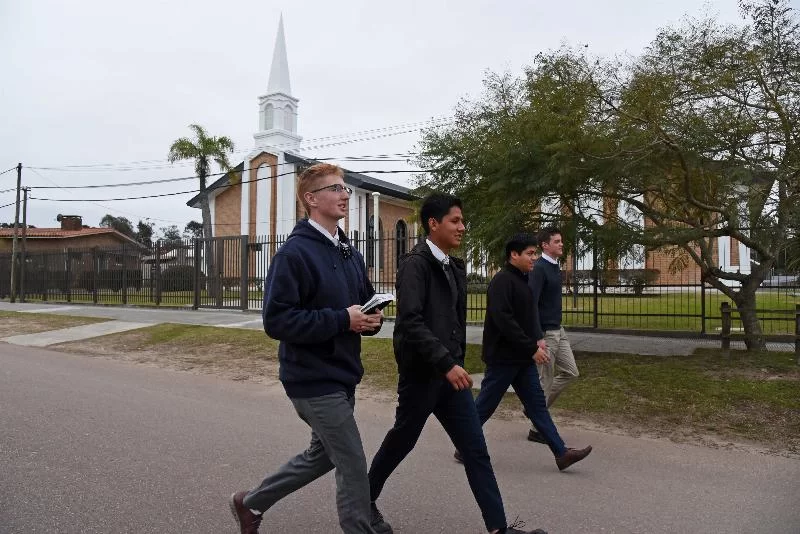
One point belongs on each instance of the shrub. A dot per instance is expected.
(179, 278)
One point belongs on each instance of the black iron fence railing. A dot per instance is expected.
(229, 272)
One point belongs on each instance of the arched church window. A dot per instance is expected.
(288, 118)
(400, 240)
(269, 117)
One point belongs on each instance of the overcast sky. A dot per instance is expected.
(98, 81)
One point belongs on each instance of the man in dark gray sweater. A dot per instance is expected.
(545, 283)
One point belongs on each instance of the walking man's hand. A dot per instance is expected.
(361, 322)
(541, 356)
(459, 378)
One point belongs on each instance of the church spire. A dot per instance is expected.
(279, 73)
(277, 113)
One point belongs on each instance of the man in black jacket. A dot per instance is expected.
(429, 345)
(312, 304)
(511, 349)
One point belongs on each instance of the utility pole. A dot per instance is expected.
(14, 239)
(24, 260)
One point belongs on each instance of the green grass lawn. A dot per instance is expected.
(669, 311)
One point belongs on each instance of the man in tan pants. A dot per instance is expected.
(545, 284)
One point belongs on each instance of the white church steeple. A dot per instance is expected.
(277, 110)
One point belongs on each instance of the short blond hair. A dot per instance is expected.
(310, 179)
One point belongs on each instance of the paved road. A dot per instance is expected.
(585, 341)
(90, 445)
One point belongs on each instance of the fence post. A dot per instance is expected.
(124, 276)
(158, 273)
(68, 281)
(702, 305)
(198, 261)
(725, 309)
(797, 332)
(95, 274)
(595, 282)
(243, 272)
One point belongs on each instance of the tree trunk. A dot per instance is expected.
(753, 336)
(208, 249)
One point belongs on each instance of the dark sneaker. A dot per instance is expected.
(572, 456)
(377, 522)
(248, 521)
(536, 437)
(457, 457)
(514, 528)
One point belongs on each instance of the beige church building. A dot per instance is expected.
(258, 197)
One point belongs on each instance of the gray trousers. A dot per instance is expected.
(561, 370)
(335, 443)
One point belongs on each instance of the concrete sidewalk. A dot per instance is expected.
(75, 333)
(581, 341)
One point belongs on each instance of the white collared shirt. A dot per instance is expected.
(437, 253)
(548, 258)
(325, 232)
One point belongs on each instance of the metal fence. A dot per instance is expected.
(228, 272)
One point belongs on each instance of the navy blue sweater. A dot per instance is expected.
(545, 283)
(308, 289)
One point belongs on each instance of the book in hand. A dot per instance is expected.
(378, 302)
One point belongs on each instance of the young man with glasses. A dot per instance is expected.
(429, 346)
(312, 299)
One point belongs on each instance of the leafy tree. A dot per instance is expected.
(204, 150)
(170, 233)
(120, 224)
(700, 135)
(144, 233)
(193, 229)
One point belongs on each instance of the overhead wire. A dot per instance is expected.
(162, 163)
(208, 189)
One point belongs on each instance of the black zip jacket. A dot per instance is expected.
(509, 329)
(429, 334)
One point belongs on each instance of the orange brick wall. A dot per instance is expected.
(228, 212)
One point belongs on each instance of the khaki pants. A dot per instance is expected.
(561, 370)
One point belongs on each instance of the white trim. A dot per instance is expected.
(263, 199)
(212, 205)
(245, 198)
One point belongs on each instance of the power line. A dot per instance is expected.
(194, 177)
(208, 189)
(162, 163)
(8, 170)
(7, 205)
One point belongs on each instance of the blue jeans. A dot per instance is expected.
(455, 410)
(525, 380)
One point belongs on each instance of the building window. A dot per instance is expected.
(401, 240)
(371, 237)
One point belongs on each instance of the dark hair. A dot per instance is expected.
(437, 205)
(518, 243)
(547, 233)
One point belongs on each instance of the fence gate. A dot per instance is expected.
(221, 272)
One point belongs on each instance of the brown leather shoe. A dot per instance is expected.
(248, 521)
(572, 456)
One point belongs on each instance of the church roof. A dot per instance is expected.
(362, 181)
(355, 179)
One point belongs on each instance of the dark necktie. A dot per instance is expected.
(451, 281)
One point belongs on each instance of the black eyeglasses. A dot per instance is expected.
(336, 188)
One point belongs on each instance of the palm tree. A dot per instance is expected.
(203, 150)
